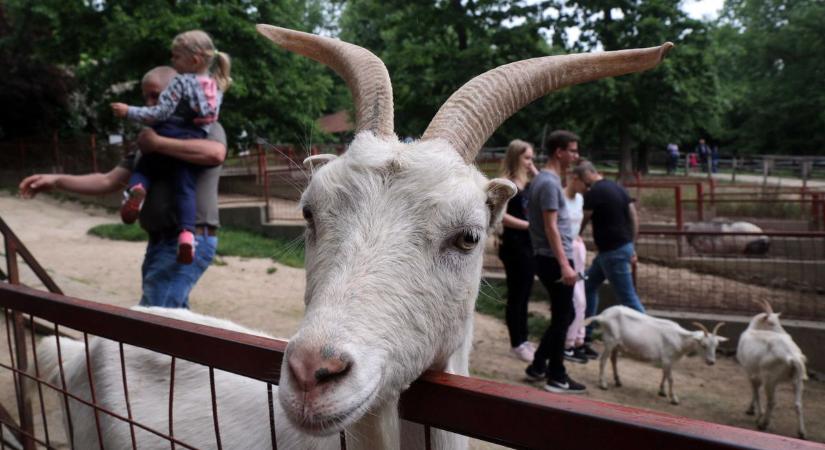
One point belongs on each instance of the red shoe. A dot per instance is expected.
(132, 202)
(186, 247)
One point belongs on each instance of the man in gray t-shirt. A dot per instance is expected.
(165, 282)
(552, 241)
(548, 195)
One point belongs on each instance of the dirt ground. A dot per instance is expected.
(242, 290)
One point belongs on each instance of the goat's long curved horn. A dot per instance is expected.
(701, 327)
(717, 327)
(472, 113)
(365, 74)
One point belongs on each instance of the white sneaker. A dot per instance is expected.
(524, 351)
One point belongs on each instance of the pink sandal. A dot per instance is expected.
(132, 202)
(186, 247)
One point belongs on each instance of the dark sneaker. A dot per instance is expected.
(568, 386)
(576, 355)
(588, 351)
(533, 374)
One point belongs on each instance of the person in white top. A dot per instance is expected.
(574, 344)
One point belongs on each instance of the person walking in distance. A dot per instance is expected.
(552, 239)
(515, 251)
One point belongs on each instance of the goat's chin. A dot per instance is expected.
(329, 412)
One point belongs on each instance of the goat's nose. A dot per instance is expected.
(313, 366)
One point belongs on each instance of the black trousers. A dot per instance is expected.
(550, 354)
(519, 268)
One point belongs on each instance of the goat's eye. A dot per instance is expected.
(307, 213)
(466, 241)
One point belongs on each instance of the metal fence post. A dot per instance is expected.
(733, 170)
(93, 145)
(24, 407)
(806, 172)
(22, 149)
(700, 202)
(56, 149)
(264, 173)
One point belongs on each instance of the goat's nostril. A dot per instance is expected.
(311, 367)
(331, 369)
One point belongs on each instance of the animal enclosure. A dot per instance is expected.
(436, 400)
(32, 415)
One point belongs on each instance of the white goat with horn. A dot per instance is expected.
(770, 356)
(652, 339)
(394, 244)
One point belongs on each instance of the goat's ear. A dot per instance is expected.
(499, 191)
(721, 339)
(316, 161)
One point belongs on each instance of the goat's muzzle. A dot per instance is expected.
(316, 366)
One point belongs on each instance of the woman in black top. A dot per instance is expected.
(515, 251)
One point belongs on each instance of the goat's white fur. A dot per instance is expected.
(770, 356)
(652, 339)
(386, 285)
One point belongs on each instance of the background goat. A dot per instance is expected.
(770, 356)
(394, 246)
(724, 245)
(652, 339)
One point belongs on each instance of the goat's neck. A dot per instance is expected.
(412, 434)
(377, 429)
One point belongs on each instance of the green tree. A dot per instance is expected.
(276, 95)
(774, 75)
(431, 48)
(676, 101)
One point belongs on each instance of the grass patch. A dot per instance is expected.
(232, 242)
(119, 232)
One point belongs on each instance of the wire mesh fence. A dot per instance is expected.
(724, 272)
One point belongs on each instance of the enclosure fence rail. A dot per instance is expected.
(14, 247)
(516, 416)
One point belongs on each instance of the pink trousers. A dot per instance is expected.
(575, 333)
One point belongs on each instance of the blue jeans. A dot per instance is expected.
(167, 283)
(152, 166)
(614, 266)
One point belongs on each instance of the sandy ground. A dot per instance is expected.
(242, 290)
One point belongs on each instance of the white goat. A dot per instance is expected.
(652, 339)
(770, 356)
(394, 245)
(728, 244)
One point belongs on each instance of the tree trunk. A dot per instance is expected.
(626, 163)
(460, 29)
(642, 160)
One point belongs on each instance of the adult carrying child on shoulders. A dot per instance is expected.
(186, 109)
